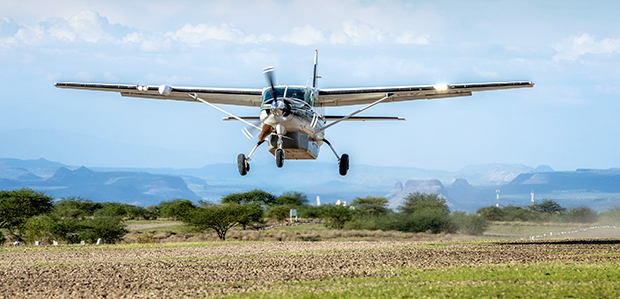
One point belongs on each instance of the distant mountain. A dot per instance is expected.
(467, 189)
(399, 192)
(135, 187)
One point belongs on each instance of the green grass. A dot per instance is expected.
(544, 280)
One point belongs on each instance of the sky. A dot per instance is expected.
(570, 49)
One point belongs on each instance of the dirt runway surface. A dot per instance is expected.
(199, 271)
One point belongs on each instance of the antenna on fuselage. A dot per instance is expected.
(316, 61)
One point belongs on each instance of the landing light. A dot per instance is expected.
(441, 87)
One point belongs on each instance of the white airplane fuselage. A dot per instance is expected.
(293, 115)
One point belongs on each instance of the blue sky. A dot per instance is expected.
(570, 49)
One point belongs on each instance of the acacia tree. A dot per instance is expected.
(423, 202)
(220, 218)
(17, 206)
(370, 206)
(292, 198)
(255, 196)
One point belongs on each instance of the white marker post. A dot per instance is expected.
(293, 213)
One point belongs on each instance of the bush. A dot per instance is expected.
(75, 207)
(177, 209)
(336, 216)
(469, 224)
(432, 222)
(423, 203)
(491, 213)
(370, 206)
(292, 198)
(17, 206)
(109, 229)
(611, 216)
(280, 213)
(309, 212)
(582, 214)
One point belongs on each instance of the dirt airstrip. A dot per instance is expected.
(198, 271)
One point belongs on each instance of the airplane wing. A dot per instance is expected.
(357, 96)
(230, 96)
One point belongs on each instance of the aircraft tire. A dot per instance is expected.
(279, 158)
(242, 164)
(343, 165)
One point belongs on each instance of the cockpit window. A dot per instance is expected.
(300, 93)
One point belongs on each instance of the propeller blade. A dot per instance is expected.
(270, 75)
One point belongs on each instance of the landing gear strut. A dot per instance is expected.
(242, 161)
(343, 161)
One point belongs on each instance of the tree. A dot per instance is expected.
(75, 207)
(292, 198)
(370, 206)
(422, 202)
(279, 213)
(252, 213)
(491, 213)
(547, 206)
(336, 215)
(177, 208)
(17, 206)
(109, 229)
(255, 196)
(217, 217)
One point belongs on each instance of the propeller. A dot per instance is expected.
(279, 107)
(269, 74)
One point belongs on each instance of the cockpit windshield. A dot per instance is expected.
(300, 93)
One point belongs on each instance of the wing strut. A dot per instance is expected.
(195, 97)
(387, 96)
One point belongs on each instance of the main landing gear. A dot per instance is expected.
(244, 166)
(343, 161)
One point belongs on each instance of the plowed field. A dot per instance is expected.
(202, 270)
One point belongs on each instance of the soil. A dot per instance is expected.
(189, 272)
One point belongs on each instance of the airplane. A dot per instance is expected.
(292, 118)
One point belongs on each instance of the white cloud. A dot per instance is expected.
(576, 46)
(190, 34)
(356, 32)
(486, 74)
(304, 36)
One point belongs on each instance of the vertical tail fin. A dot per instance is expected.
(316, 61)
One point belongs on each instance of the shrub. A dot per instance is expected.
(109, 229)
(17, 206)
(423, 203)
(469, 224)
(309, 211)
(176, 208)
(336, 216)
(582, 214)
(280, 213)
(292, 198)
(75, 207)
(491, 213)
(370, 206)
